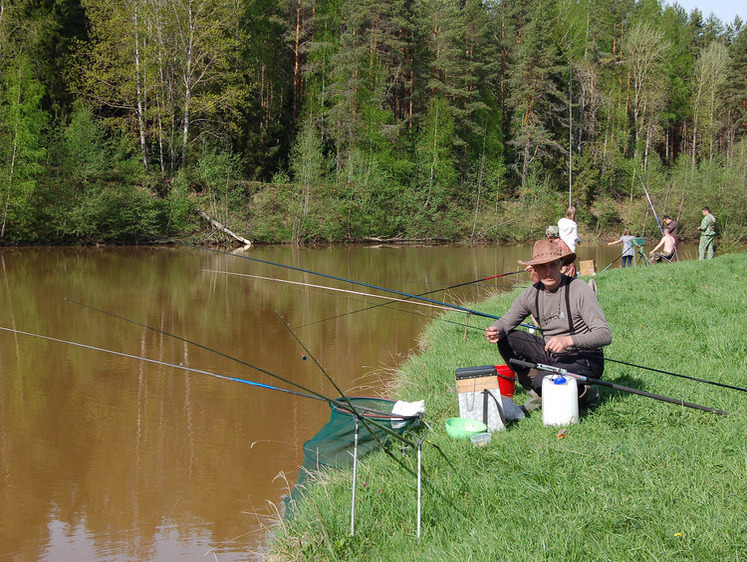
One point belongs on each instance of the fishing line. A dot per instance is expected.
(166, 364)
(715, 383)
(217, 352)
(342, 394)
(360, 283)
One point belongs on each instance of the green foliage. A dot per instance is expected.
(22, 122)
(84, 155)
(121, 213)
(179, 205)
(435, 170)
(424, 119)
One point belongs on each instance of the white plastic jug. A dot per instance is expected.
(559, 400)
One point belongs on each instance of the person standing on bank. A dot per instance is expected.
(568, 229)
(574, 329)
(707, 228)
(628, 251)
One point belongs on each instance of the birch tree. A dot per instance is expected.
(709, 79)
(21, 150)
(181, 54)
(645, 48)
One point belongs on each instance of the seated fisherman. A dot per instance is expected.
(667, 251)
(570, 319)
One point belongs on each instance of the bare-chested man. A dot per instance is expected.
(667, 244)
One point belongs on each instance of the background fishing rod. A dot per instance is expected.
(610, 265)
(172, 365)
(651, 203)
(449, 288)
(344, 280)
(599, 382)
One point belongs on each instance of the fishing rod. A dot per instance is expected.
(650, 203)
(328, 288)
(599, 382)
(166, 364)
(408, 299)
(225, 355)
(390, 300)
(359, 283)
(610, 265)
(715, 383)
(455, 307)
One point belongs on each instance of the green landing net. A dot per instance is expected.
(333, 445)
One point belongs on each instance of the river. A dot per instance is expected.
(111, 450)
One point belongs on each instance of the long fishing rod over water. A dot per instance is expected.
(422, 298)
(359, 283)
(449, 288)
(338, 402)
(314, 396)
(390, 300)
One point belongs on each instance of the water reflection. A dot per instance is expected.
(104, 457)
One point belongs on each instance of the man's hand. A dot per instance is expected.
(558, 344)
(492, 335)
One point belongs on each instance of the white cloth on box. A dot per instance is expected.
(406, 410)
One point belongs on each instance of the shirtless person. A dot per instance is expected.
(668, 242)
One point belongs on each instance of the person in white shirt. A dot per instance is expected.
(569, 229)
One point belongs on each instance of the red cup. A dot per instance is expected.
(506, 380)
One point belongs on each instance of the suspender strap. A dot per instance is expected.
(569, 280)
(571, 330)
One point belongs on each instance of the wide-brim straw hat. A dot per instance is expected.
(545, 251)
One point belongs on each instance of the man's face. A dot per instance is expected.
(549, 274)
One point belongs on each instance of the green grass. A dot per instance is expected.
(638, 479)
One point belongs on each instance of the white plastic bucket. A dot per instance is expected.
(559, 400)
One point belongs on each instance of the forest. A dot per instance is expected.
(313, 121)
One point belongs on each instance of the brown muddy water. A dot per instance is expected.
(106, 456)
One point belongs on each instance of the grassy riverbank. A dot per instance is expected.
(636, 479)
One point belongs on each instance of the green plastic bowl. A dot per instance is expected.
(464, 428)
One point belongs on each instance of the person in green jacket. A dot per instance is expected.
(707, 235)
